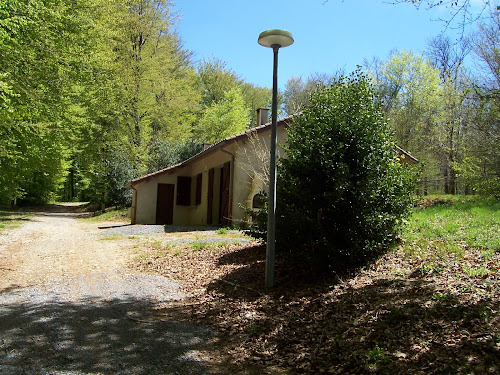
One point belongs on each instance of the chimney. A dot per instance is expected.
(262, 116)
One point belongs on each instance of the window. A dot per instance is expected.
(199, 179)
(183, 191)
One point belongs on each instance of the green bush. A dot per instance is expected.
(342, 193)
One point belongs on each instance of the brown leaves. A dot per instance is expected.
(400, 315)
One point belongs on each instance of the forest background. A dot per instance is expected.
(96, 92)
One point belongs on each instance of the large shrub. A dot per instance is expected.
(342, 193)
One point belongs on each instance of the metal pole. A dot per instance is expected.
(271, 217)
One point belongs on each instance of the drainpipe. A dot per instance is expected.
(231, 178)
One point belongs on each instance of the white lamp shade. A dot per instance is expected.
(274, 37)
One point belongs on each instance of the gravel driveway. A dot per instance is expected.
(69, 305)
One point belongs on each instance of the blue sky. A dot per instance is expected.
(331, 35)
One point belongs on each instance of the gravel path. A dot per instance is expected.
(69, 305)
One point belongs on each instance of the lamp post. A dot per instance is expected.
(274, 39)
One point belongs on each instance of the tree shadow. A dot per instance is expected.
(391, 325)
(124, 336)
(244, 255)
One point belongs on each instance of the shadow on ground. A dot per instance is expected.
(369, 324)
(93, 336)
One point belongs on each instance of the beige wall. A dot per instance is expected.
(248, 173)
(245, 183)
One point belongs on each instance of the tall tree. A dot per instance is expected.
(216, 80)
(451, 126)
(412, 94)
(481, 167)
(157, 87)
(41, 43)
(223, 119)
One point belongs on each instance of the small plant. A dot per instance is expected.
(222, 231)
(438, 296)
(156, 244)
(429, 269)
(377, 355)
(198, 245)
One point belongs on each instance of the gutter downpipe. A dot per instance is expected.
(231, 178)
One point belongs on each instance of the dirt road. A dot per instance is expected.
(70, 305)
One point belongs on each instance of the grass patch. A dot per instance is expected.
(452, 225)
(111, 237)
(198, 245)
(12, 220)
(114, 215)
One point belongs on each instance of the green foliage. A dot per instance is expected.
(216, 80)
(42, 47)
(167, 153)
(342, 193)
(257, 228)
(118, 172)
(222, 231)
(223, 119)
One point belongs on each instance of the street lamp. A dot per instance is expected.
(274, 39)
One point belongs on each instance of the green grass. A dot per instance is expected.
(453, 224)
(222, 231)
(12, 220)
(115, 215)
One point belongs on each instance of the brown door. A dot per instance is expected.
(224, 194)
(165, 204)
(210, 195)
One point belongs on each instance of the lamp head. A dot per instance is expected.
(275, 37)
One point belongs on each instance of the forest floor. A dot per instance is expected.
(419, 309)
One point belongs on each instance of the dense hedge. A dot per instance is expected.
(342, 194)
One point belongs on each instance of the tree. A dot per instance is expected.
(409, 87)
(481, 166)
(42, 44)
(154, 84)
(461, 12)
(216, 80)
(341, 191)
(223, 119)
(452, 124)
(167, 153)
(297, 90)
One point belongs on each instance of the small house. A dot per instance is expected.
(210, 187)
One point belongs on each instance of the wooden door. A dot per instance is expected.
(210, 196)
(165, 204)
(224, 194)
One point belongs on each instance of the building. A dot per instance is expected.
(210, 187)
